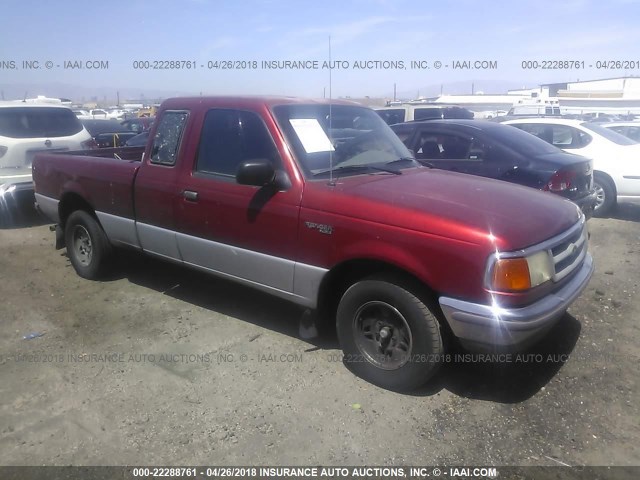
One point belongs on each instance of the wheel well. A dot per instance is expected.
(341, 277)
(607, 177)
(71, 202)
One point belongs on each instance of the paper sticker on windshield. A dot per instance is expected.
(311, 135)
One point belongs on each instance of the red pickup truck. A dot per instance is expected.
(321, 204)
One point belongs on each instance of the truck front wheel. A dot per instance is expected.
(388, 335)
(88, 247)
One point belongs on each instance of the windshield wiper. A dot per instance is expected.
(359, 167)
(425, 163)
(411, 159)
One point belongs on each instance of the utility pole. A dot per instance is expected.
(394, 92)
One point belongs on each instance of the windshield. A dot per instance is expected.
(325, 138)
(96, 127)
(608, 134)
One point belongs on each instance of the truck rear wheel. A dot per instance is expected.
(388, 335)
(88, 247)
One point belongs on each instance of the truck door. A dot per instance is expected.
(156, 186)
(243, 231)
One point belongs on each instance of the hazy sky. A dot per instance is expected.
(122, 32)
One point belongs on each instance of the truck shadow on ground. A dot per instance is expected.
(218, 295)
(470, 376)
(507, 377)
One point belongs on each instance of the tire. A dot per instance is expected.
(605, 195)
(388, 335)
(88, 247)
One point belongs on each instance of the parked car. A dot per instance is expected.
(628, 129)
(26, 129)
(139, 140)
(91, 114)
(139, 124)
(422, 111)
(615, 157)
(337, 219)
(498, 151)
(108, 133)
(116, 114)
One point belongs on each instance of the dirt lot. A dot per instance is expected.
(160, 365)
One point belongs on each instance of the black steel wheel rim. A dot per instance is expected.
(382, 335)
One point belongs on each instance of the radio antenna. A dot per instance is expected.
(330, 117)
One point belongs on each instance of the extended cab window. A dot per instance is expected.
(167, 139)
(230, 137)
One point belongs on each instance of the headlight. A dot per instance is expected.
(521, 273)
(3, 150)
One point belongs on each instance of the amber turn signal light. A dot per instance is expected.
(511, 274)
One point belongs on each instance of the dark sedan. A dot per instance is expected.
(502, 152)
(108, 133)
(139, 140)
(138, 125)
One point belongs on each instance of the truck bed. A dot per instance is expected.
(118, 153)
(103, 178)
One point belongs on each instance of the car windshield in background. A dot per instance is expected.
(428, 113)
(38, 122)
(609, 134)
(96, 127)
(341, 136)
(522, 141)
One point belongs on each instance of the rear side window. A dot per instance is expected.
(440, 146)
(391, 117)
(427, 113)
(230, 137)
(167, 139)
(634, 133)
(38, 122)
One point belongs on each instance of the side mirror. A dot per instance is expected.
(258, 172)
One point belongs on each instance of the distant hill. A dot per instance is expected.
(84, 93)
(458, 88)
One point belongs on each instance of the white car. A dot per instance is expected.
(82, 114)
(27, 129)
(628, 129)
(116, 114)
(421, 111)
(616, 158)
(91, 114)
(98, 113)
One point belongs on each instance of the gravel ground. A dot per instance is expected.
(161, 365)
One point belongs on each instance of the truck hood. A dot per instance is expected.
(453, 205)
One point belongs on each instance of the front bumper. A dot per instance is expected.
(16, 200)
(481, 326)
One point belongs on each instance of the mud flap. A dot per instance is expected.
(60, 244)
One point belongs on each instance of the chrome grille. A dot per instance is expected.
(569, 253)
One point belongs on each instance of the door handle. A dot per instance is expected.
(190, 195)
